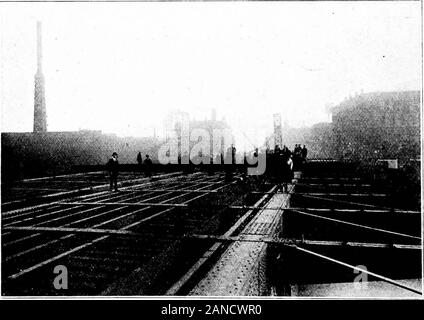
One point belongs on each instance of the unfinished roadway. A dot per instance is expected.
(202, 234)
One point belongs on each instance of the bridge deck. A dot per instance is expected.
(203, 234)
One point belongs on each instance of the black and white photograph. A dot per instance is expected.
(211, 149)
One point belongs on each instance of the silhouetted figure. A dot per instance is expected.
(148, 166)
(278, 164)
(287, 172)
(297, 156)
(139, 162)
(286, 152)
(113, 168)
(268, 159)
(229, 163)
(304, 153)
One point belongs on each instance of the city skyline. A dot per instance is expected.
(125, 78)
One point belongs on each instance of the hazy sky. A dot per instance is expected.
(120, 67)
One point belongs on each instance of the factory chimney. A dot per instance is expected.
(40, 117)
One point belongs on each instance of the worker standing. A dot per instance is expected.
(287, 172)
(113, 168)
(139, 162)
(304, 154)
(148, 166)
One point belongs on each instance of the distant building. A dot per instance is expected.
(317, 138)
(173, 123)
(218, 131)
(27, 154)
(378, 125)
(179, 126)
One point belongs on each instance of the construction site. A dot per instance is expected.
(339, 217)
(201, 234)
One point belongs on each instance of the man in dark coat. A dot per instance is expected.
(287, 172)
(113, 168)
(139, 159)
(148, 166)
(304, 153)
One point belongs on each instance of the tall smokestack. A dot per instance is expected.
(40, 117)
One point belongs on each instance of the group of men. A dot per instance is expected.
(299, 155)
(147, 164)
(281, 164)
(113, 168)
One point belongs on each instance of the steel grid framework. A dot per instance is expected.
(143, 196)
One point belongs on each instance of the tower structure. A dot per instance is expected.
(278, 137)
(40, 116)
